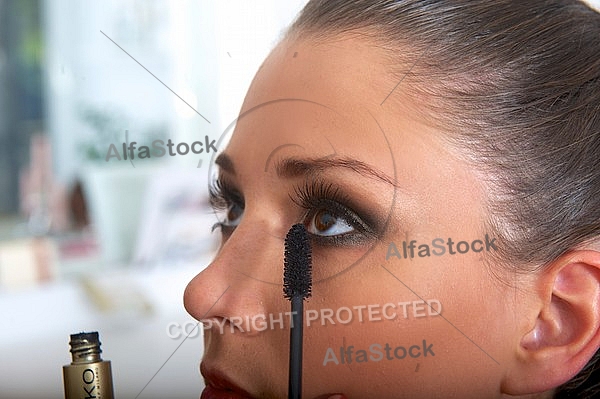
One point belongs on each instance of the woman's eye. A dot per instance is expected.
(233, 215)
(325, 223)
(228, 205)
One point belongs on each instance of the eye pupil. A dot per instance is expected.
(324, 220)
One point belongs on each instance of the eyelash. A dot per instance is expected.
(315, 195)
(312, 196)
(222, 195)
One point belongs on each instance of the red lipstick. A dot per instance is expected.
(218, 386)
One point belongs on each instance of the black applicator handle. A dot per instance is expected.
(295, 377)
(297, 285)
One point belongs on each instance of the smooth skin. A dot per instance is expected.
(492, 340)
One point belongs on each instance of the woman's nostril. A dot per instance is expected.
(248, 324)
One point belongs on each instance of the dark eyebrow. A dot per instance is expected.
(294, 167)
(224, 162)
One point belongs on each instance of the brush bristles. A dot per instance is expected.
(297, 265)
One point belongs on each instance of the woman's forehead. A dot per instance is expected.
(346, 74)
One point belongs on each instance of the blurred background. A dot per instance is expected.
(90, 244)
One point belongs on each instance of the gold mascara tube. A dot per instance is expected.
(88, 376)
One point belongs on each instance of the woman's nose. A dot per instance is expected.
(242, 283)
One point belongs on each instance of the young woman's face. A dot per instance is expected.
(328, 138)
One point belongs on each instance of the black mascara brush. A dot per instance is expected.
(297, 284)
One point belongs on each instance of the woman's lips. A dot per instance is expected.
(218, 386)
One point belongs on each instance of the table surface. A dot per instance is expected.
(37, 322)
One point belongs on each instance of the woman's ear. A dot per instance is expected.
(566, 332)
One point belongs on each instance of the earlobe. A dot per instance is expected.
(566, 332)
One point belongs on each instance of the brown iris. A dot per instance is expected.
(234, 212)
(324, 220)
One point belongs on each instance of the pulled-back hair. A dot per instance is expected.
(516, 85)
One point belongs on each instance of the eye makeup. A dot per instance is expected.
(318, 195)
(332, 217)
(227, 202)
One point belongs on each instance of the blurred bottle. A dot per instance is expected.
(88, 376)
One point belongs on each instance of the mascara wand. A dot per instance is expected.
(297, 284)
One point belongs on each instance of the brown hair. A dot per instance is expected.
(517, 83)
